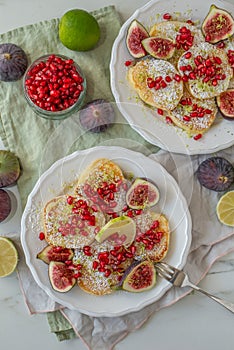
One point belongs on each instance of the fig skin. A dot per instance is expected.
(216, 174)
(5, 205)
(52, 253)
(97, 116)
(13, 62)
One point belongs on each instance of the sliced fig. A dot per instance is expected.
(97, 116)
(136, 33)
(61, 277)
(53, 253)
(5, 205)
(218, 25)
(159, 47)
(142, 194)
(216, 173)
(139, 277)
(225, 102)
(9, 168)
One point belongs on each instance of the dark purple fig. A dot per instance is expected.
(9, 168)
(5, 205)
(139, 277)
(13, 62)
(159, 48)
(225, 102)
(218, 25)
(216, 173)
(136, 33)
(61, 277)
(52, 253)
(97, 116)
(142, 194)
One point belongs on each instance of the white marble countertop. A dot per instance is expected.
(194, 323)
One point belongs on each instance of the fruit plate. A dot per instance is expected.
(54, 182)
(145, 120)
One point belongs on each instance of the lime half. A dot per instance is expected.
(8, 257)
(225, 209)
(119, 231)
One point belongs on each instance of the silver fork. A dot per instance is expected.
(180, 279)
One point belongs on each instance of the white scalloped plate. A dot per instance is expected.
(65, 171)
(146, 121)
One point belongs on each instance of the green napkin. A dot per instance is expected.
(39, 142)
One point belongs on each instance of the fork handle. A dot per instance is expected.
(228, 305)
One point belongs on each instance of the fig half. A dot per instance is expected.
(53, 253)
(159, 47)
(136, 33)
(139, 277)
(142, 194)
(218, 25)
(61, 277)
(225, 102)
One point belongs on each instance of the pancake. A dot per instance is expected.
(206, 57)
(66, 228)
(184, 115)
(103, 182)
(166, 97)
(171, 29)
(144, 223)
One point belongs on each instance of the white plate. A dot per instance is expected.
(65, 171)
(146, 121)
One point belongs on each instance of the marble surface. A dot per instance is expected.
(194, 323)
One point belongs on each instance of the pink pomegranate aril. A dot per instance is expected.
(52, 79)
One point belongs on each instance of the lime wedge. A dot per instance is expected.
(225, 209)
(8, 257)
(119, 231)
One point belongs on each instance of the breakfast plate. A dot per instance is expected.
(150, 125)
(57, 180)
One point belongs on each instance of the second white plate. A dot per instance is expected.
(145, 120)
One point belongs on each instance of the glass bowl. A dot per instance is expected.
(54, 86)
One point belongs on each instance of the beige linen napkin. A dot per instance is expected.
(210, 241)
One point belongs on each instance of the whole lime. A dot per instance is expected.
(79, 30)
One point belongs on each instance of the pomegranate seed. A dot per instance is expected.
(186, 118)
(169, 120)
(160, 111)
(128, 63)
(188, 55)
(167, 16)
(70, 200)
(168, 79)
(207, 37)
(197, 137)
(77, 275)
(107, 272)
(41, 236)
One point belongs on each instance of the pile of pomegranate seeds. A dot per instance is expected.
(55, 84)
(184, 39)
(208, 69)
(194, 111)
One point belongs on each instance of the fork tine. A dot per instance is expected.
(162, 274)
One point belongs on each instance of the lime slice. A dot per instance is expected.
(8, 257)
(119, 231)
(225, 209)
